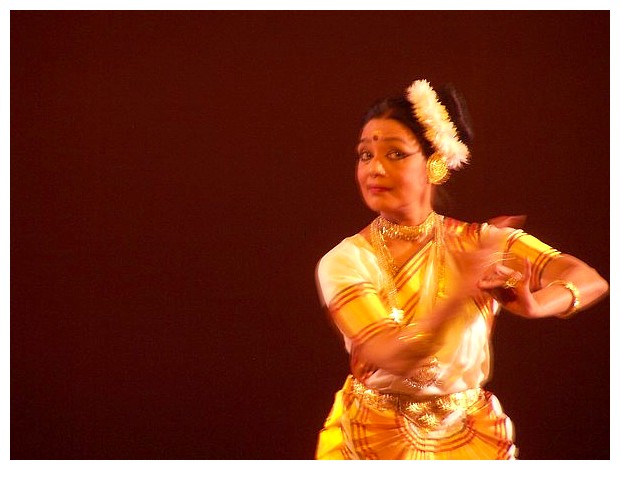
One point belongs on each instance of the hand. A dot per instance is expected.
(512, 289)
(478, 269)
(513, 221)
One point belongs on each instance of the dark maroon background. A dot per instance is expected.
(175, 177)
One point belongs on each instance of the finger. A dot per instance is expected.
(514, 221)
(510, 274)
(490, 284)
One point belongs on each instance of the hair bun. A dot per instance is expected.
(455, 103)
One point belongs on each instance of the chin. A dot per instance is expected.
(375, 206)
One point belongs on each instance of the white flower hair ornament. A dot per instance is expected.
(450, 153)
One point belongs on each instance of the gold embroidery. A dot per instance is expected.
(425, 414)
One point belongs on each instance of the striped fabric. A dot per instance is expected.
(351, 286)
(522, 245)
(358, 430)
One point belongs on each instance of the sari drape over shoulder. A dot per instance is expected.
(378, 414)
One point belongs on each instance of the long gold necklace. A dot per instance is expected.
(381, 228)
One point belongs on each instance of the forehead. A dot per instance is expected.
(378, 129)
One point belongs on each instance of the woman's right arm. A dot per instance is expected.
(357, 310)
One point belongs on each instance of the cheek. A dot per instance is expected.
(417, 176)
(360, 172)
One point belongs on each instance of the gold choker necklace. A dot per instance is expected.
(405, 232)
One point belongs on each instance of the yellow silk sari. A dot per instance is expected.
(379, 415)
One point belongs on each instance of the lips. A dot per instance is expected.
(377, 189)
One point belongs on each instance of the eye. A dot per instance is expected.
(364, 156)
(396, 155)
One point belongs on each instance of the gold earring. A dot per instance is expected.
(437, 169)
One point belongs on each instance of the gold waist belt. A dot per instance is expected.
(428, 414)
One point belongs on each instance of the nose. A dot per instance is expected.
(376, 167)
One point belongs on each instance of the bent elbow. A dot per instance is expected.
(602, 287)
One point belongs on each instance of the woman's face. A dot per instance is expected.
(391, 169)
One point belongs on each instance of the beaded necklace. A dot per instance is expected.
(406, 232)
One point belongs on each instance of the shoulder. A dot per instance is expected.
(353, 257)
(482, 232)
(459, 228)
(348, 263)
(348, 250)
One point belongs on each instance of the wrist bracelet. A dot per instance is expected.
(570, 286)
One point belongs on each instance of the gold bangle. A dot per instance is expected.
(570, 286)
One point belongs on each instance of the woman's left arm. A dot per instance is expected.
(568, 285)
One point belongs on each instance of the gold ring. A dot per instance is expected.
(512, 281)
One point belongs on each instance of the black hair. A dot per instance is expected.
(400, 109)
